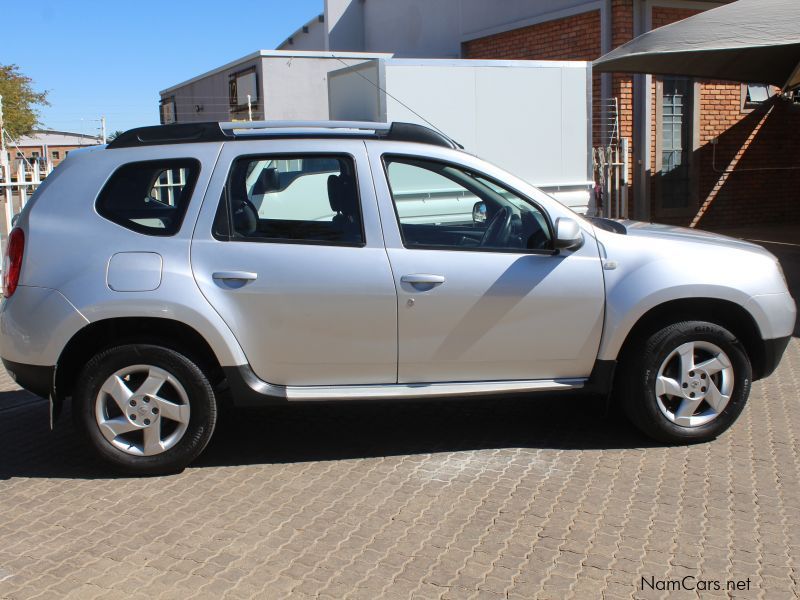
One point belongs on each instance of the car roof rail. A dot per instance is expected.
(255, 127)
(186, 133)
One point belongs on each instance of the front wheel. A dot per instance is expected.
(145, 408)
(688, 384)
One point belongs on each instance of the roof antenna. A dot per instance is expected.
(400, 102)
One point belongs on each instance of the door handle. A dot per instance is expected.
(422, 279)
(239, 275)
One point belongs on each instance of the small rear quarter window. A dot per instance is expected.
(149, 197)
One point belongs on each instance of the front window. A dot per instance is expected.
(443, 206)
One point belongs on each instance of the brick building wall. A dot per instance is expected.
(30, 152)
(754, 145)
(751, 175)
(572, 38)
(622, 83)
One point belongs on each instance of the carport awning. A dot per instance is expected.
(755, 41)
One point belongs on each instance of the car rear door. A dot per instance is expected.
(472, 312)
(288, 249)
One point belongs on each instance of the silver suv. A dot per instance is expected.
(272, 263)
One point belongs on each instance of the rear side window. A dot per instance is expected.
(149, 197)
(295, 199)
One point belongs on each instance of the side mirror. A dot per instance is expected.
(479, 212)
(568, 234)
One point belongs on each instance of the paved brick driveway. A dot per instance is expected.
(449, 500)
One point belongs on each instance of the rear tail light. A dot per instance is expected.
(12, 261)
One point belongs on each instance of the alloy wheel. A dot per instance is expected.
(142, 410)
(694, 384)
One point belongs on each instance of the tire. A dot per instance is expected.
(169, 408)
(669, 397)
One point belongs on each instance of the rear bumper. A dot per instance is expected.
(772, 354)
(34, 378)
(35, 325)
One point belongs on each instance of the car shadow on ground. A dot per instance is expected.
(315, 432)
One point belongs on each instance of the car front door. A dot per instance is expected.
(482, 294)
(288, 250)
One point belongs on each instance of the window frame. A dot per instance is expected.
(386, 159)
(188, 188)
(233, 86)
(162, 109)
(748, 106)
(692, 116)
(287, 156)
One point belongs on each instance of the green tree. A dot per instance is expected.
(20, 101)
(114, 135)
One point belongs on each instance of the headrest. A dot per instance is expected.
(268, 181)
(337, 193)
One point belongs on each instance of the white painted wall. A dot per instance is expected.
(413, 28)
(295, 88)
(313, 39)
(356, 94)
(291, 86)
(345, 25)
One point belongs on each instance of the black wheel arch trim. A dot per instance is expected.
(764, 354)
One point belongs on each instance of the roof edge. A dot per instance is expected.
(277, 54)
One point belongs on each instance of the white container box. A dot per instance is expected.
(532, 118)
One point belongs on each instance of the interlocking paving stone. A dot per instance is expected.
(541, 498)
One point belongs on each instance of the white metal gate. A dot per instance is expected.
(610, 162)
(18, 181)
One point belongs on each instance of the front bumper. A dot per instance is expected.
(34, 378)
(772, 354)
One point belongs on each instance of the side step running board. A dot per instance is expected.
(248, 390)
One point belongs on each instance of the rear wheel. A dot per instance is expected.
(145, 408)
(687, 384)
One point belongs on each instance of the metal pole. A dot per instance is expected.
(103, 128)
(5, 173)
(625, 176)
(3, 161)
(249, 109)
(617, 186)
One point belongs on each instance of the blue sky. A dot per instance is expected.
(112, 57)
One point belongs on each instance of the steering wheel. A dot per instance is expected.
(499, 229)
